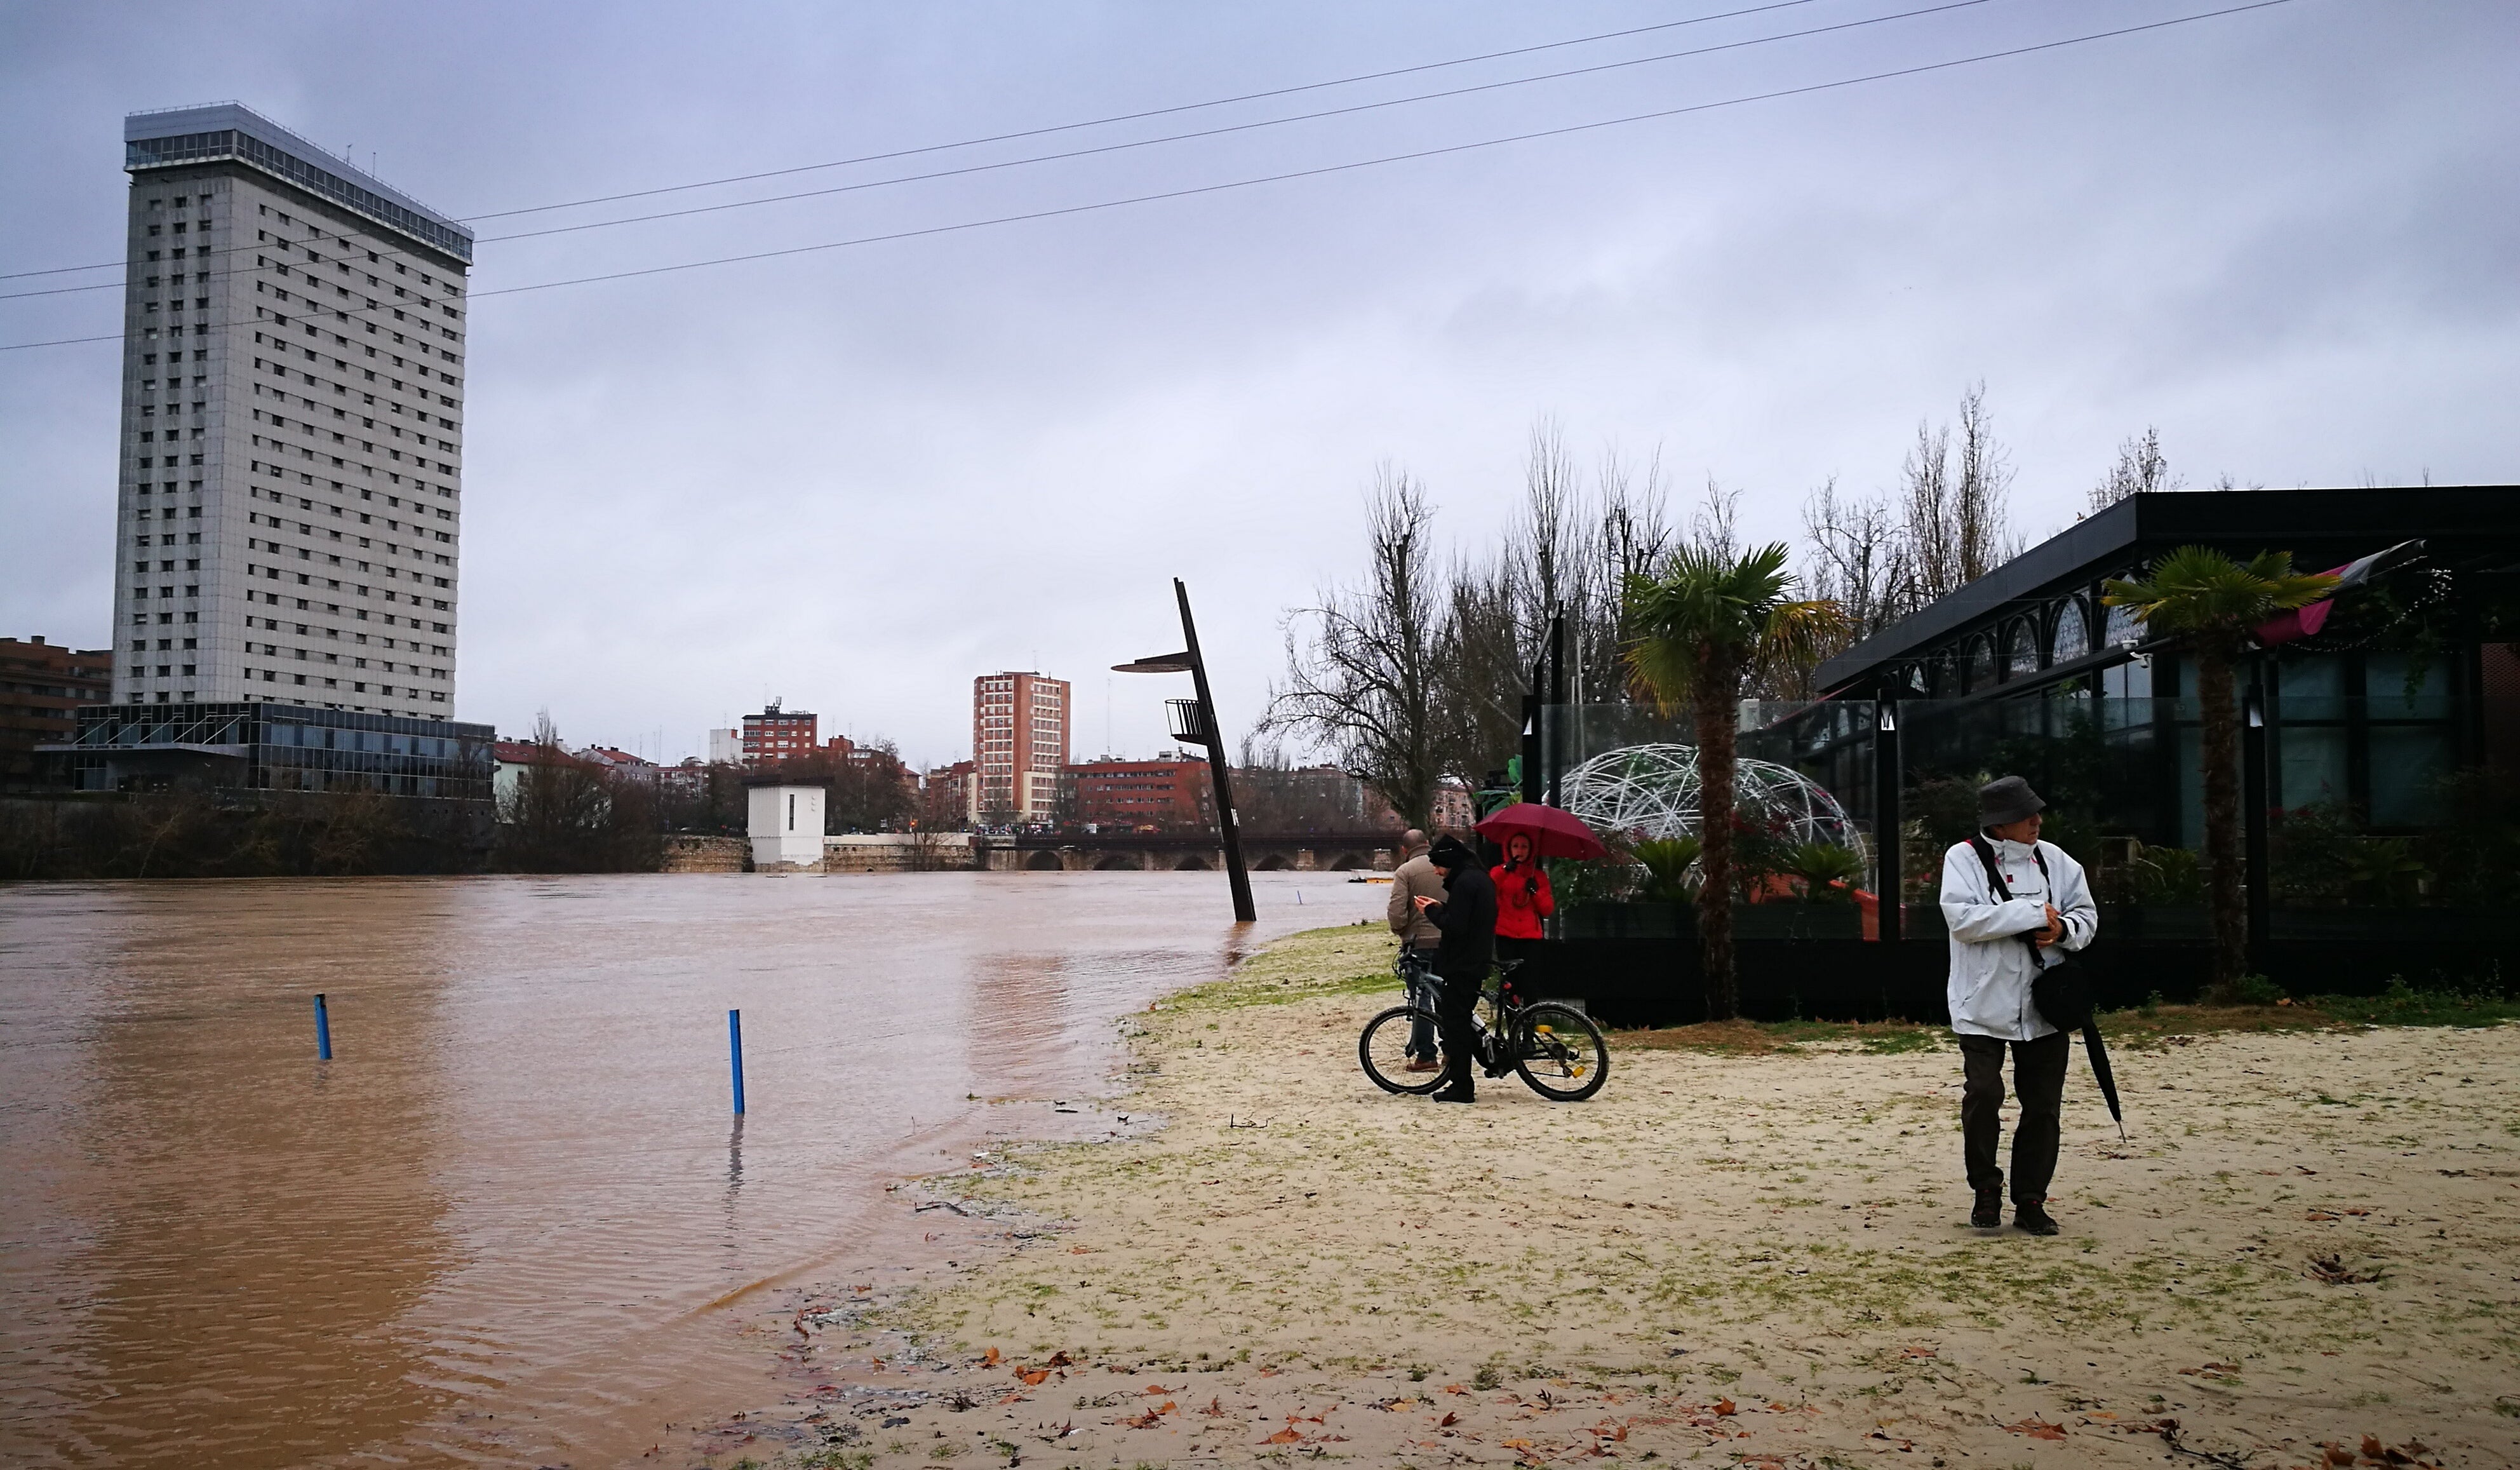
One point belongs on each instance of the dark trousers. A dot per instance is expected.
(1420, 988)
(2038, 1079)
(1456, 996)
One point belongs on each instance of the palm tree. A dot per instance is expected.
(1711, 620)
(2210, 603)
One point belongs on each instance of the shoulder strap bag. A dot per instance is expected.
(2061, 989)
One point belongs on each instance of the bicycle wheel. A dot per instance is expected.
(1383, 1051)
(1562, 1054)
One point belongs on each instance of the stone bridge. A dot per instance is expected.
(1184, 851)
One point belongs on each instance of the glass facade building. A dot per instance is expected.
(272, 747)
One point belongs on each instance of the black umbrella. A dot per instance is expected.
(2102, 1072)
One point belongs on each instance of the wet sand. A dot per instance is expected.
(2306, 1253)
(513, 1220)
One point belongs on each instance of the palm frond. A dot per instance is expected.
(1708, 612)
(2198, 588)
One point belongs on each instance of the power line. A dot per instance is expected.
(1060, 128)
(1214, 132)
(1109, 148)
(1919, 69)
(1187, 107)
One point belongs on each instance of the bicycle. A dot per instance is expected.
(1554, 1047)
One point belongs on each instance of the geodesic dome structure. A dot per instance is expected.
(1650, 791)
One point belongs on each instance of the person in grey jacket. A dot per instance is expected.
(1417, 878)
(1998, 945)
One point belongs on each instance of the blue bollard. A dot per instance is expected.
(322, 1031)
(735, 1055)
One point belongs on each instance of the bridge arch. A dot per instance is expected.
(1045, 860)
(1349, 860)
(1120, 862)
(1271, 862)
(1194, 863)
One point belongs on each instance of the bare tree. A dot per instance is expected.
(1858, 558)
(1956, 514)
(2141, 469)
(1637, 538)
(1716, 528)
(1361, 665)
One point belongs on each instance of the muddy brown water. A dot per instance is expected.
(513, 1219)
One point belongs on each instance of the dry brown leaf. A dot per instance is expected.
(989, 1360)
(1215, 1408)
(2038, 1429)
(1033, 1378)
(1915, 1351)
(1448, 1421)
(1724, 1407)
(1058, 1361)
(1283, 1437)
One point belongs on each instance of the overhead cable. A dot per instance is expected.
(1922, 69)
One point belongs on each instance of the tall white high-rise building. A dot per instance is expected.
(290, 470)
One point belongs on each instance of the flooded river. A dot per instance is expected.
(509, 1220)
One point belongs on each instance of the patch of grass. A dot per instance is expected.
(2154, 1024)
(1350, 959)
(2403, 1004)
(1752, 1038)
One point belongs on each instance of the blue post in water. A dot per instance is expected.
(735, 1055)
(322, 1031)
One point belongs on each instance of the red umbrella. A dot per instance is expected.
(1552, 832)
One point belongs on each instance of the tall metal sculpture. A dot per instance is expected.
(1195, 721)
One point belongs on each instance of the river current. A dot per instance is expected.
(511, 1219)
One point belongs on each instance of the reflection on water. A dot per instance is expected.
(497, 1224)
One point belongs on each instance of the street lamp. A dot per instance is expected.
(1195, 720)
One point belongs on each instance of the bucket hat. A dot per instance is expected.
(2007, 799)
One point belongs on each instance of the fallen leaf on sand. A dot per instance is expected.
(1916, 1353)
(2319, 1215)
(1454, 1388)
(1033, 1378)
(1153, 1389)
(1724, 1407)
(1513, 1443)
(1058, 1361)
(1283, 1437)
(1448, 1421)
(2333, 1271)
(2038, 1429)
(1215, 1408)
(989, 1360)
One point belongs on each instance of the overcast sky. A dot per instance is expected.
(854, 479)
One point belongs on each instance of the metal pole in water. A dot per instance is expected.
(322, 1031)
(735, 1055)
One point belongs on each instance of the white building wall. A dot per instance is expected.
(291, 480)
(786, 825)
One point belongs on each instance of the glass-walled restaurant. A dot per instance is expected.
(2381, 744)
(271, 747)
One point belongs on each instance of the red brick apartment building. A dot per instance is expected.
(42, 686)
(1019, 747)
(1173, 792)
(775, 735)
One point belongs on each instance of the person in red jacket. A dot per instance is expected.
(1522, 899)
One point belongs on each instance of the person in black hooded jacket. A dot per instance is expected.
(1466, 918)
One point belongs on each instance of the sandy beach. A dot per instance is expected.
(2307, 1251)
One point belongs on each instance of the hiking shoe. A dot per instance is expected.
(2034, 1219)
(1454, 1095)
(1424, 1064)
(1989, 1213)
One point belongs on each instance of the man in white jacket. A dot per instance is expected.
(1999, 942)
